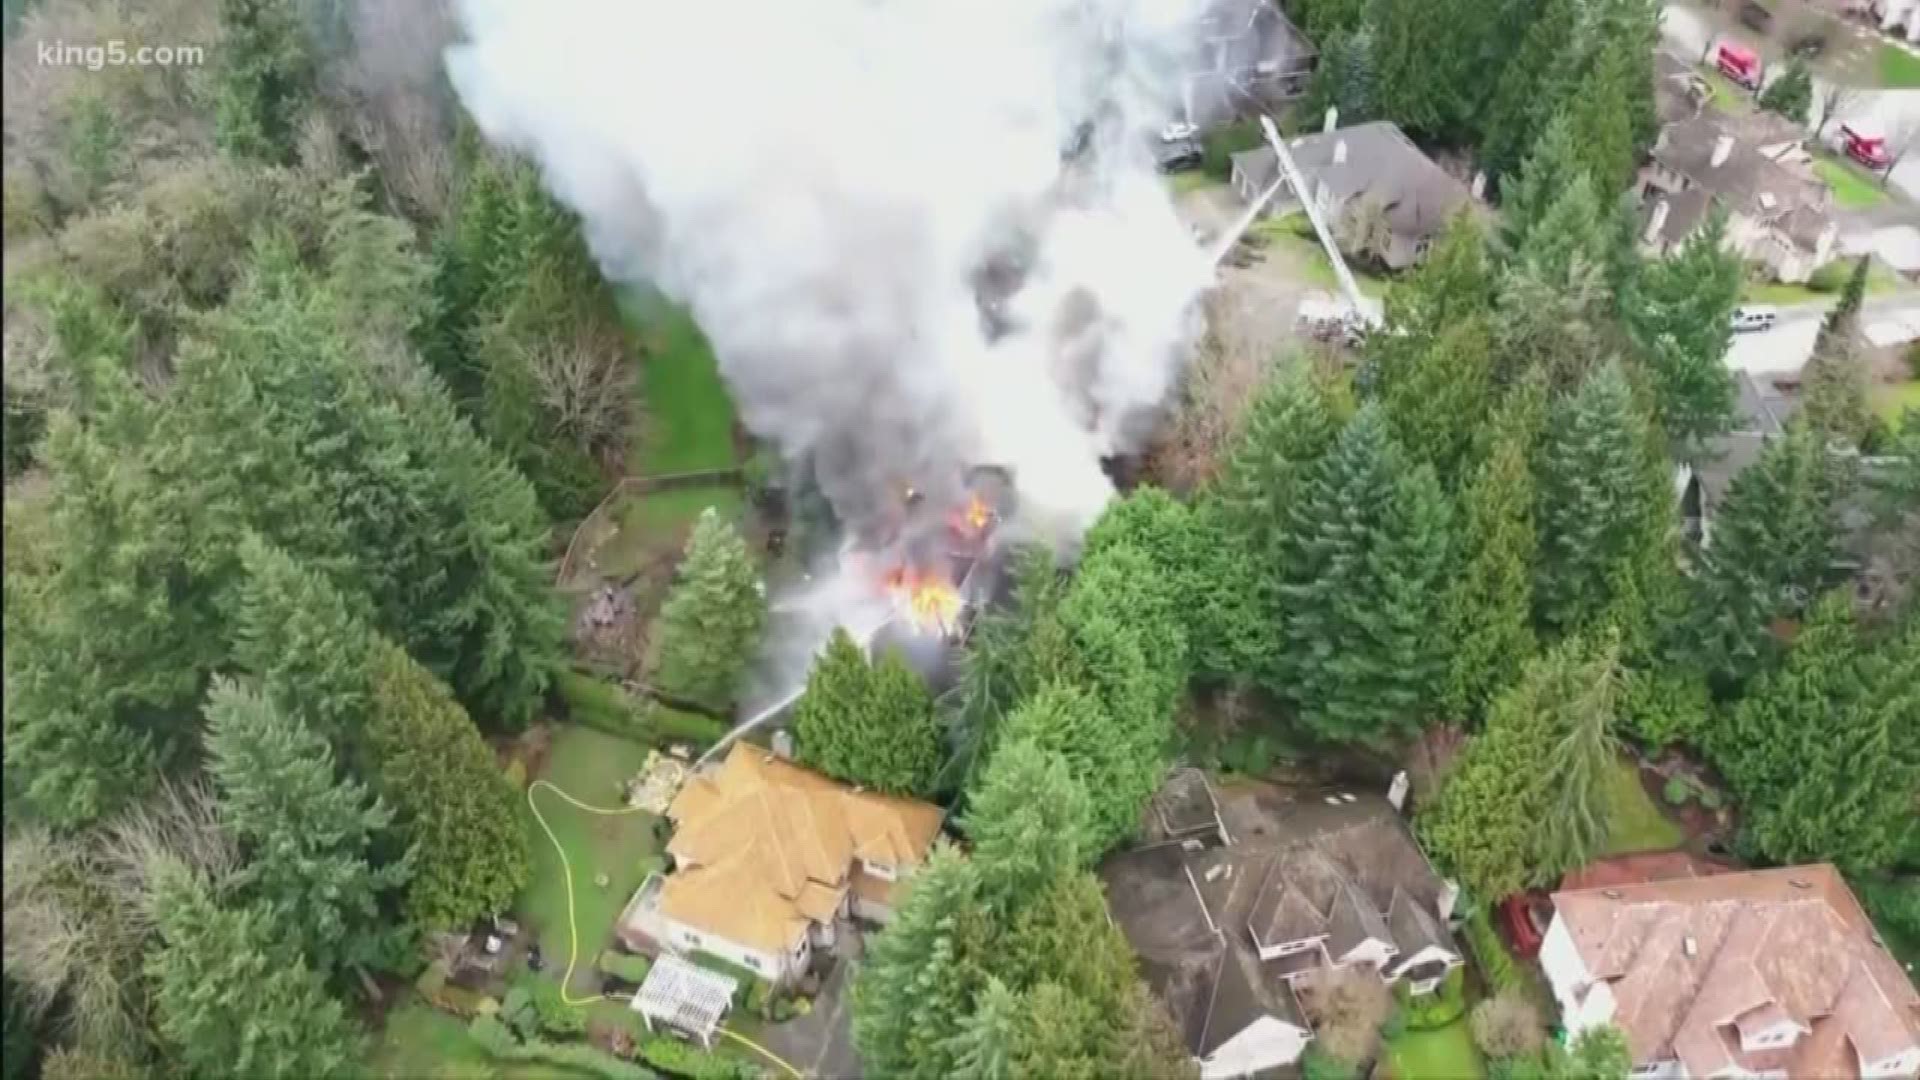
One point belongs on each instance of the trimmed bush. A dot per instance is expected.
(493, 1037)
(556, 1016)
(431, 980)
(685, 1059)
(517, 774)
(625, 966)
(599, 704)
(1677, 791)
(673, 725)
(1830, 278)
(1426, 1012)
(1496, 963)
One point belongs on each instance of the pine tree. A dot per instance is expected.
(1367, 546)
(1774, 541)
(229, 999)
(1489, 606)
(1343, 78)
(264, 82)
(1529, 88)
(922, 973)
(869, 724)
(1835, 378)
(1679, 312)
(1067, 721)
(1551, 166)
(1020, 843)
(307, 834)
(981, 1048)
(1610, 109)
(1790, 95)
(1437, 394)
(1555, 330)
(1825, 752)
(1580, 764)
(1454, 282)
(711, 621)
(1570, 233)
(304, 641)
(1547, 729)
(1603, 504)
(452, 803)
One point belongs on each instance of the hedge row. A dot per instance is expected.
(625, 966)
(685, 1059)
(1496, 963)
(604, 706)
(497, 1041)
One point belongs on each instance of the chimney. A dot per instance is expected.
(783, 744)
(1333, 118)
(1657, 221)
(1480, 185)
(1340, 152)
(1722, 147)
(1692, 947)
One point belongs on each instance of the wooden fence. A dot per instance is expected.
(641, 485)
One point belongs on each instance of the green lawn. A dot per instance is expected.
(1292, 234)
(1897, 66)
(1634, 823)
(1879, 279)
(685, 416)
(1445, 1053)
(1892, 402)
(1723, 94)
(1852, 187)
(590, 766)
(420, 1042)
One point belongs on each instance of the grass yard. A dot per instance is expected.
(1890, 402)
(1445, 1053)
(420, 1042)
(1724, 94)
(1880, 279)
(1897, 66)
(685, 415)
(1190, 180)
(1634, 823)
(1852, 187)
(1284, 234)
(590, 766)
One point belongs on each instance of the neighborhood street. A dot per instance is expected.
(1788, 345)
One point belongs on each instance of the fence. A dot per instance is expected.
(640, 485)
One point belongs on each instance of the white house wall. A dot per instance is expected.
(1583, 1003)
(1266, 1043)
(684, 938)
(1904, 1064)
(1379, 954)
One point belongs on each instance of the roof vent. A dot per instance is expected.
(1691, 946)
(1767, 201)
(1611, 894)
(1340, 152)
(1800, 883)
(1191, 843)
(1722, 149)
(1215, 872)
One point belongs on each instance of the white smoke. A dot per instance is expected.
(827, 184)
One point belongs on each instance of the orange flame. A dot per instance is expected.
(972, 519)
(927, 600)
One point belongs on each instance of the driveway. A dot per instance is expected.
(1252, 307)
(1689, 33)
(820, 1044)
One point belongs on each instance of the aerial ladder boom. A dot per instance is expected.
(1340, 272)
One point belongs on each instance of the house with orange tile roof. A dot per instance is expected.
(769, 858)
(1767, 973)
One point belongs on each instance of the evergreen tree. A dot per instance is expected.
(1790, 95)
(869, 724)
(307, 835)
(982, 1048)
(1529, 89)
(1835, 378)
(1489, 605)
(1551, 166)
(1437, 394)
(305, 642)
(1343, 78)
(1825, 752)
(1454, 282)
(711, 621)
(1679, 313)
(1547, 729)
(1775, 538)
(1021, 842)
(229, 999)
(453, 805)
(922, 973)
(1555, 330)
(1570, 233)
(1603, 504)
(1364, 557)
(1107, 764)
(264, 82)
(1611, 110)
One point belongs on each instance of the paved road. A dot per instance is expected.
(1689, 34)
(1785, 348)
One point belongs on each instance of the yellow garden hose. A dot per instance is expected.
(573, 929)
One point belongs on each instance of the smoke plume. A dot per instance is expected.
(865, 206)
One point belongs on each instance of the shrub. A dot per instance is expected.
(1496, 963)
(1507, 1025)
(431, 980)
(758, 996)
(1830, 278)
(1319, 1065)
(1427, 1012)
(674, 725)
(625, 966)
(517, 774)
(1396, 1025)
(556, 1016)
(1711, 798)
(493, 1037)
(1217, 147)
(1662, 709)
(685, 1059)
(518, 1012)
(599, 704)
(1676, 791)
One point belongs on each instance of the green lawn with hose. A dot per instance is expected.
(1634, 822)
(419, 1042)
(1853, 188)
(1897, 66)
(591, 766)
(1293, 235)
(1445, 1053)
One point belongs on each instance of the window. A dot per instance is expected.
(690, 939)
(879, 870)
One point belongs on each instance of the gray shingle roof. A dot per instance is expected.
(1380, 162)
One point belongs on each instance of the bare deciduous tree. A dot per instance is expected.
(1228, 368)
(585, 382)
(1507, 1025)
(1831, 98)
(1347, 1006)
(391, 96)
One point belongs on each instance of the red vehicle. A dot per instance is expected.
(1739, 63)
(1525, 917)
(1864, 146)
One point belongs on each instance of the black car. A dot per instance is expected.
(1176, 155)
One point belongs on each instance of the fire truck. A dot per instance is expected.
(1863, 145)
(1739, 63)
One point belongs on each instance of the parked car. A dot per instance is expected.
(1179, 155)
(1739, 63)
(1757, 317)
(1864, 145)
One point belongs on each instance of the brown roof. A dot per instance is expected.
(1640, 868)
(1748, 181)
(766, 847)
(1689, 958)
